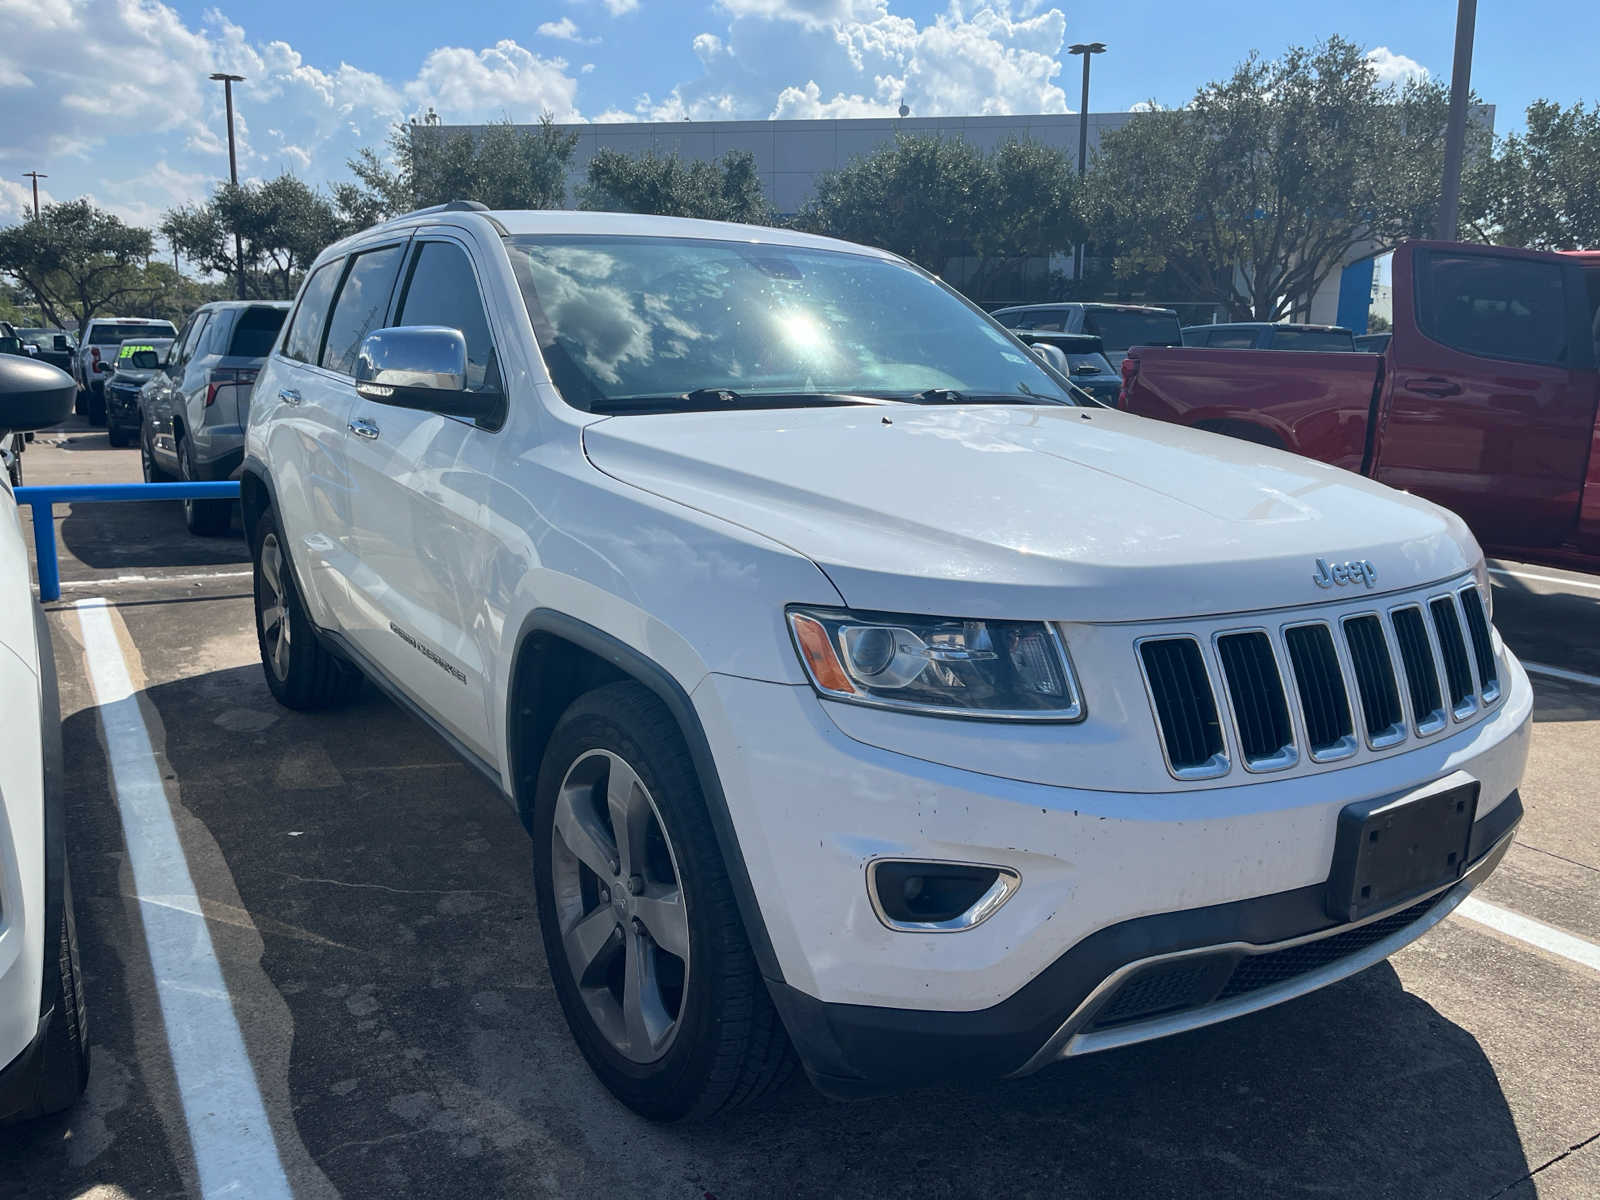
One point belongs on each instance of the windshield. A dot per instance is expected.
(1312, 339)
(115, 335)
(634, 317)
(1121, 328)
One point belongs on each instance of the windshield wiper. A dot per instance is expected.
(952, 396)
(717, 399)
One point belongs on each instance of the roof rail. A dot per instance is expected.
(457, 206)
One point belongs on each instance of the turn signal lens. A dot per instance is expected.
(817, 650)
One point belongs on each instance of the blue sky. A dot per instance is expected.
(110, 97)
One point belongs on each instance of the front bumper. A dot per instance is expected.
(1114, 885)
(122, 405)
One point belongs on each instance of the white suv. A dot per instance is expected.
(863, 692)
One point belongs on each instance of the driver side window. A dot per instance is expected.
(441, 289)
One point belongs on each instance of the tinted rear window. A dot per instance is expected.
(115, 335)
(1119, 330)
(255, 331)
(1494, 307)
(1312, 339)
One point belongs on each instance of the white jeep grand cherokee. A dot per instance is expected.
(863, 692)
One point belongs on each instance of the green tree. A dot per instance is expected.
(728, 189)
(1268, 181)
(283, 225)
(76, 260)
(922, 197)
(503, 165)
(1543, 187)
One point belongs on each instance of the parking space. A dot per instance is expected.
(367, 901)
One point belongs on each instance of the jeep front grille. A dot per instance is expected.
(1404, 671)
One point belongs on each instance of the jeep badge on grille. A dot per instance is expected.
(1358, 570)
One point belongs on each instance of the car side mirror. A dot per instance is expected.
(1053, 357)
(422, 367)
(33, 394)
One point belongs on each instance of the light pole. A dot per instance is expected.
(1455, 134)
(233, 173)
(1088, 50)
(35, 176)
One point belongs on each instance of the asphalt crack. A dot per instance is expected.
(1569, 1151)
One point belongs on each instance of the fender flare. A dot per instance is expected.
(671, 693)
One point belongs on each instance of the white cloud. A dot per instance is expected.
(566, 30)
(16, 199)
(1394, 68)
(618, 7)
(503, 80)
(852, 58)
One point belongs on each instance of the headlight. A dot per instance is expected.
(1016, 670)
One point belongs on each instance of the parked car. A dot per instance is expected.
(10, 342)
(863, 690)
(44, 1050)
(96, 354)
(1372, 343)
(137, 363)
(1268, 335)
(1083, 359)
(52, 345)
(1118, 326)
(1485, 400)
(194, 410)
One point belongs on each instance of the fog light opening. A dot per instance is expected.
(937, 897)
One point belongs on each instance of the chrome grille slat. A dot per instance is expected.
(1260, 708)
(1399, 672)
(1421, 669)
(1453, 649)
(1319, 680)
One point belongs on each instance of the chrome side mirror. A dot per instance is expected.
(1053, 357)
(422, 367)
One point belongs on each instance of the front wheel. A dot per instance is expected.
(147, 458)
(302, 673)
(63, 1062)
(119, 437)
(649, 956)
(97, 406)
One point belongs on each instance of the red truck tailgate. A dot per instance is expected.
(1317, 404)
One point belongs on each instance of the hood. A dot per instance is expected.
(1034, 512)
(135, 375)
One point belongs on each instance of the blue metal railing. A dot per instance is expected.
(44, 499)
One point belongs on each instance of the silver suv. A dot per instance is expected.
(192, 414)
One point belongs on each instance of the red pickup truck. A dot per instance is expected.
(1485, 400)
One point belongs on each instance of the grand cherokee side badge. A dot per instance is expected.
(1357, 570)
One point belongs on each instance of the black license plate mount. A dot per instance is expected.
(1393, 848)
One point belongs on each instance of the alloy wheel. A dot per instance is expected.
(620, 905)
(272, 607)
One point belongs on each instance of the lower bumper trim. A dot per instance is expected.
(862, 1050)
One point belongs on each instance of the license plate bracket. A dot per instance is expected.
(1393, 848)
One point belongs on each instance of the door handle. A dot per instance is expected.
(1433, 387)
(362, 427)
(289, 395)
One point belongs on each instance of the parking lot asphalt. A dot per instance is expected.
(368, 899)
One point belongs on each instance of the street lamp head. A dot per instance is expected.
(1087, 48)
(223, 75)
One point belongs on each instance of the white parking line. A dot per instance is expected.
(1562, 579)
(1535, 933)
(1561, 673)
(234, 1151)
(96, 584)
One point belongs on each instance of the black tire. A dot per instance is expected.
(205, 518)
(97, 405)
(119, 437)
(302, 673)
(15, 470)
(148, 467)
(64, 1058)
(80, 403)
(729, 1046)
